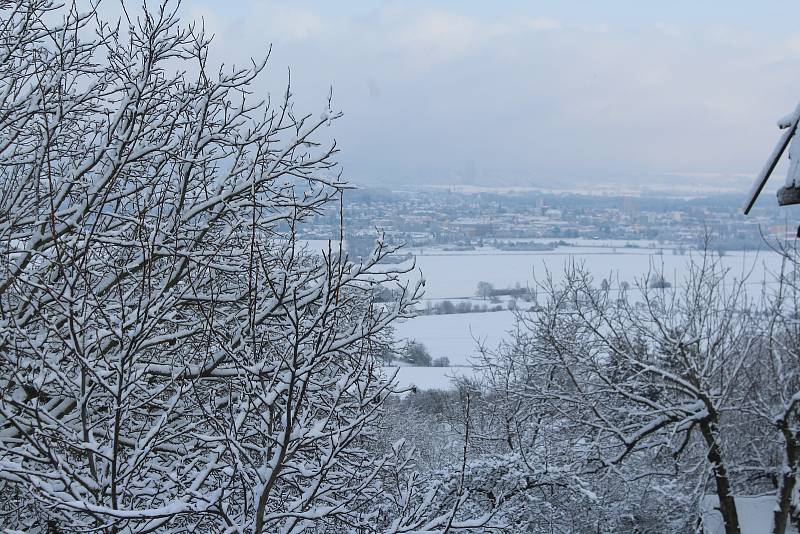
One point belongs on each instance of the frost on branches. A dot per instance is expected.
(170, 356)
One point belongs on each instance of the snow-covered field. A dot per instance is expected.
(755, 514)
(455, 275)
(424, 378)
(456, 336)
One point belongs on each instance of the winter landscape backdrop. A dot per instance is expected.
(207, 326)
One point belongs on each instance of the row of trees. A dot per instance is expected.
(448, 307)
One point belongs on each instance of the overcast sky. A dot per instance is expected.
(528, 92)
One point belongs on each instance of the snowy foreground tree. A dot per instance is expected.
(649, 408)
(171, 359)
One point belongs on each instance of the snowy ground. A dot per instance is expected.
(456, 336)
(455, 275)
(425, 378)
(755, 514)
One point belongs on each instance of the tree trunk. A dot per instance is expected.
(727, 504)
(787, 480)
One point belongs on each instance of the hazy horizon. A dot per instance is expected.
(529, 94)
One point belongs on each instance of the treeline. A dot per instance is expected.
(447, 307)
(414, 353)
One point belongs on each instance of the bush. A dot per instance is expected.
(447, 307)
(658, 282)
(415, 353)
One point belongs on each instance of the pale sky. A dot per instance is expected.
(527, 92)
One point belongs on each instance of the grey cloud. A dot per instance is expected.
(442, 95)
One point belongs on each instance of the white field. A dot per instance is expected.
(454, 275)
(457, 336)
(425, 378)
(755, 514)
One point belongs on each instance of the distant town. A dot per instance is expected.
(427, 217)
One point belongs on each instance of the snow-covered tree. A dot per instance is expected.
(171, 357)
(651, 384)
(775, 398)
(484, 290)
